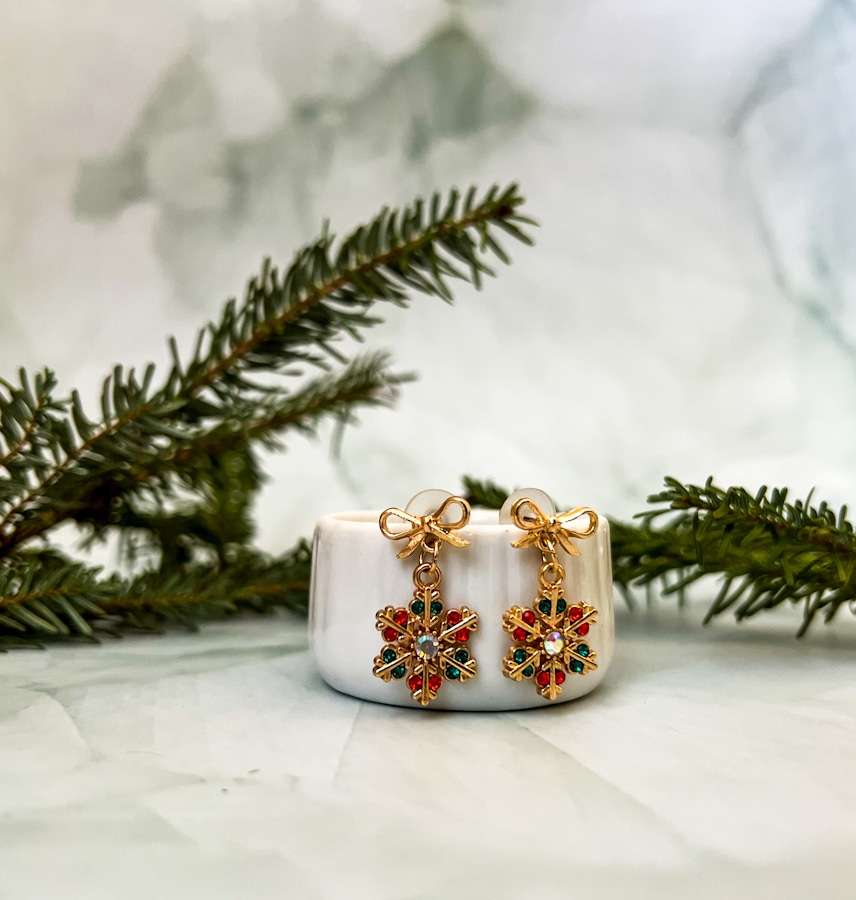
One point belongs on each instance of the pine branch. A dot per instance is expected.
(364, 382)
(23, 411)
(46, 596)
(230, 390)
(328, 289)
(31, 430)
(766, 550)
(251, 582)
(187, 457)
(173, 469)
(769, 551)
(82, 451)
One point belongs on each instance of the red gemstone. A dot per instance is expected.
(389, 634)
(453, 617)
(559, 676)
(583, 629)
(400, 617)
(434, 682)
(528, 617)
(462, 635)
(575, 612)
(415, 682)
(543, 678)
(519, 634)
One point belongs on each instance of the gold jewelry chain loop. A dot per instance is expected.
(427, 575)
(427, 565)
(551, 573)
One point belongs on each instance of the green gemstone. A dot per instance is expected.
(462, 655)
(561, 606)
(398, 672)
(545, 606)
(388, 655)
(529, 671)
(583, 650)
(577, 666)
(452, 672)
(417, 607)
(436, 607)
(520, 655)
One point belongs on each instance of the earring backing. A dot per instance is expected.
(550, 636)
(424, 641)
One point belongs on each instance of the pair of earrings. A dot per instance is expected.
(426, 644)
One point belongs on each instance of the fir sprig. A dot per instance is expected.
(769, 551)
(47, 596)
(329, 289)
(171, 465)
(766, 550)
(286, 320)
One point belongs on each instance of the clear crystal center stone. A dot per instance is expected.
(427, 646)
(554, 643)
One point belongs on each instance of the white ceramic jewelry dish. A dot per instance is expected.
(356, 573)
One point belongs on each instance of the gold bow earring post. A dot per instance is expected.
(550, 636)
(424, 642)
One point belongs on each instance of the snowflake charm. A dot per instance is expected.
(549, 641)
(426, 644)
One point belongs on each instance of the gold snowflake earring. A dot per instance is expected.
(549, 637)
(424, 641)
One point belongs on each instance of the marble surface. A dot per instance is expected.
(710, 762)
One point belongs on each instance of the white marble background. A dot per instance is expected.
(693, 166)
